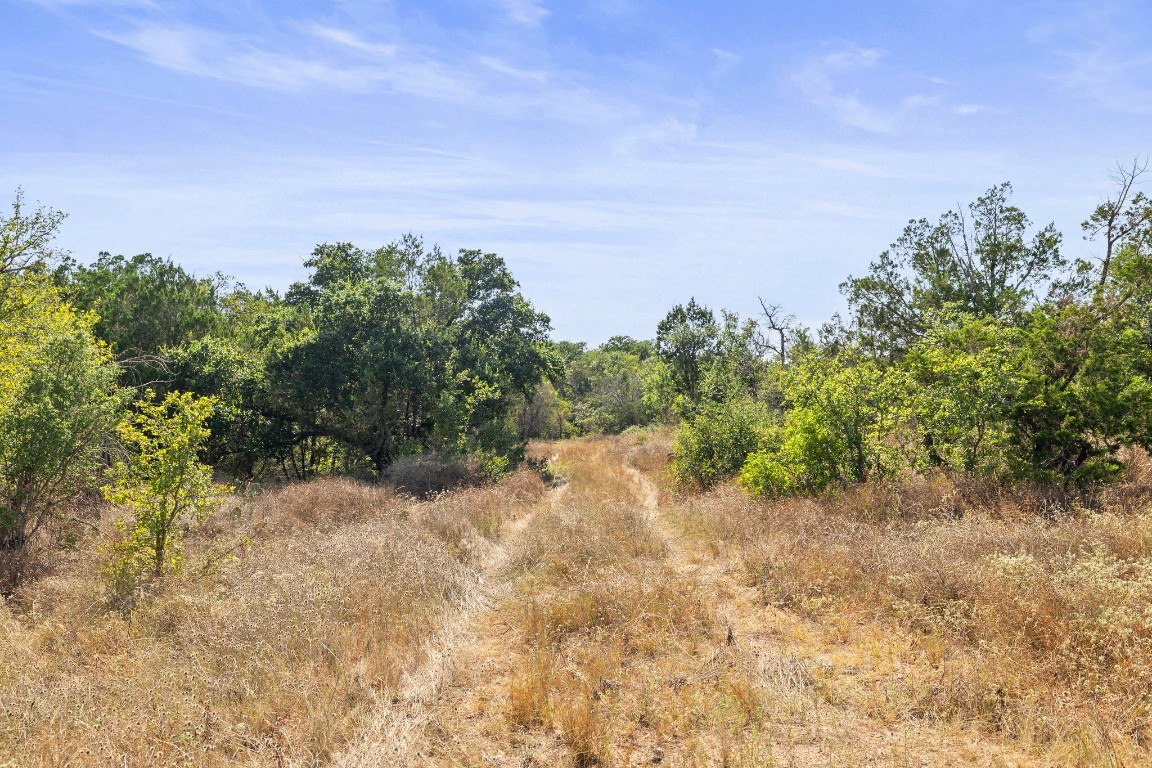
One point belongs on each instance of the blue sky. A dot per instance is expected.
(622, 155)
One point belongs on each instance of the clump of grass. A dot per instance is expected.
(295, 612)
(470, 520)
(426, 476)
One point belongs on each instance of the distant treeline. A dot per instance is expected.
(973, 345)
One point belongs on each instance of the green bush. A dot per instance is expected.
(716, 442)
(843, 426)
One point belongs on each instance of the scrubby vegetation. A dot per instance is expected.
(973, 350)
(245, 527)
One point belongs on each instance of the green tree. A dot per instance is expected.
(26, 237)
(1093, 391)
(145, 304)
(407, 350)
(980, 263)
(968, 377)
(162, 482)
(607, 391)
(686, 341)
(58, 404)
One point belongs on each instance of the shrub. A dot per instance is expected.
(58, 405)
(840, 429)
(163, 483)
(716, 442)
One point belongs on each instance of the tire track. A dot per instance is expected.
(824, 727)
(397, 730)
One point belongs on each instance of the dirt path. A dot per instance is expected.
(820, 726)
(626, 680)
(397, 732)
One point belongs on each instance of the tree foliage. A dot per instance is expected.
(58, 404)
(686, 341)
(26, 237)
(144, 304)
(981, 263)
(161, 482)
(403, 350)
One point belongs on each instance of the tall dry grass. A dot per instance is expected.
(621, 654)
(1027, 611)
(295, 611)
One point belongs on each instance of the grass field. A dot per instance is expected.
(604, 620)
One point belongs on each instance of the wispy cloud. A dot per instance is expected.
(726, 61)
(1103, 53)
(113, 4)
(878, 106)
(817, 81)
(529, 13)
(350, 62)
(205, 52)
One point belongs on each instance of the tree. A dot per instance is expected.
(968, 377)
(979, 264)
(779, 331)
(736, 368)
(162, 482)
(715, 443)
(606, 390)
(58, 404)
(145, 304)
(26, 238)
(685, 342)
(407, 350)
(1125, 219)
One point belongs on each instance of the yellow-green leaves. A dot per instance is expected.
(58, 403)
(161, 482)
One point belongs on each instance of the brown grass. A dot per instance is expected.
(624, 658)
(620, 623)
(1029, 613)
(294, 613)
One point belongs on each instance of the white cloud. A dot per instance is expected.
(348, 61)
(352, 41)
(504, 68)
(919, 101)
(726, 61)
(94, 3)
(529, 13)
(1103, 51)
(816, 82)
(199, 51)
(822, 82)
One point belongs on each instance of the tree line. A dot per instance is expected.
(972, 346)
(129, 376)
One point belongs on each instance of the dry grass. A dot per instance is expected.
(620, 624)
(295, 612)
(1028, 613)
(620, 654)
(426, 476)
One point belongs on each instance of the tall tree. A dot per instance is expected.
(686, 341)
(407, 349)
(144, 304)
(981, 263)
(26, 237)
